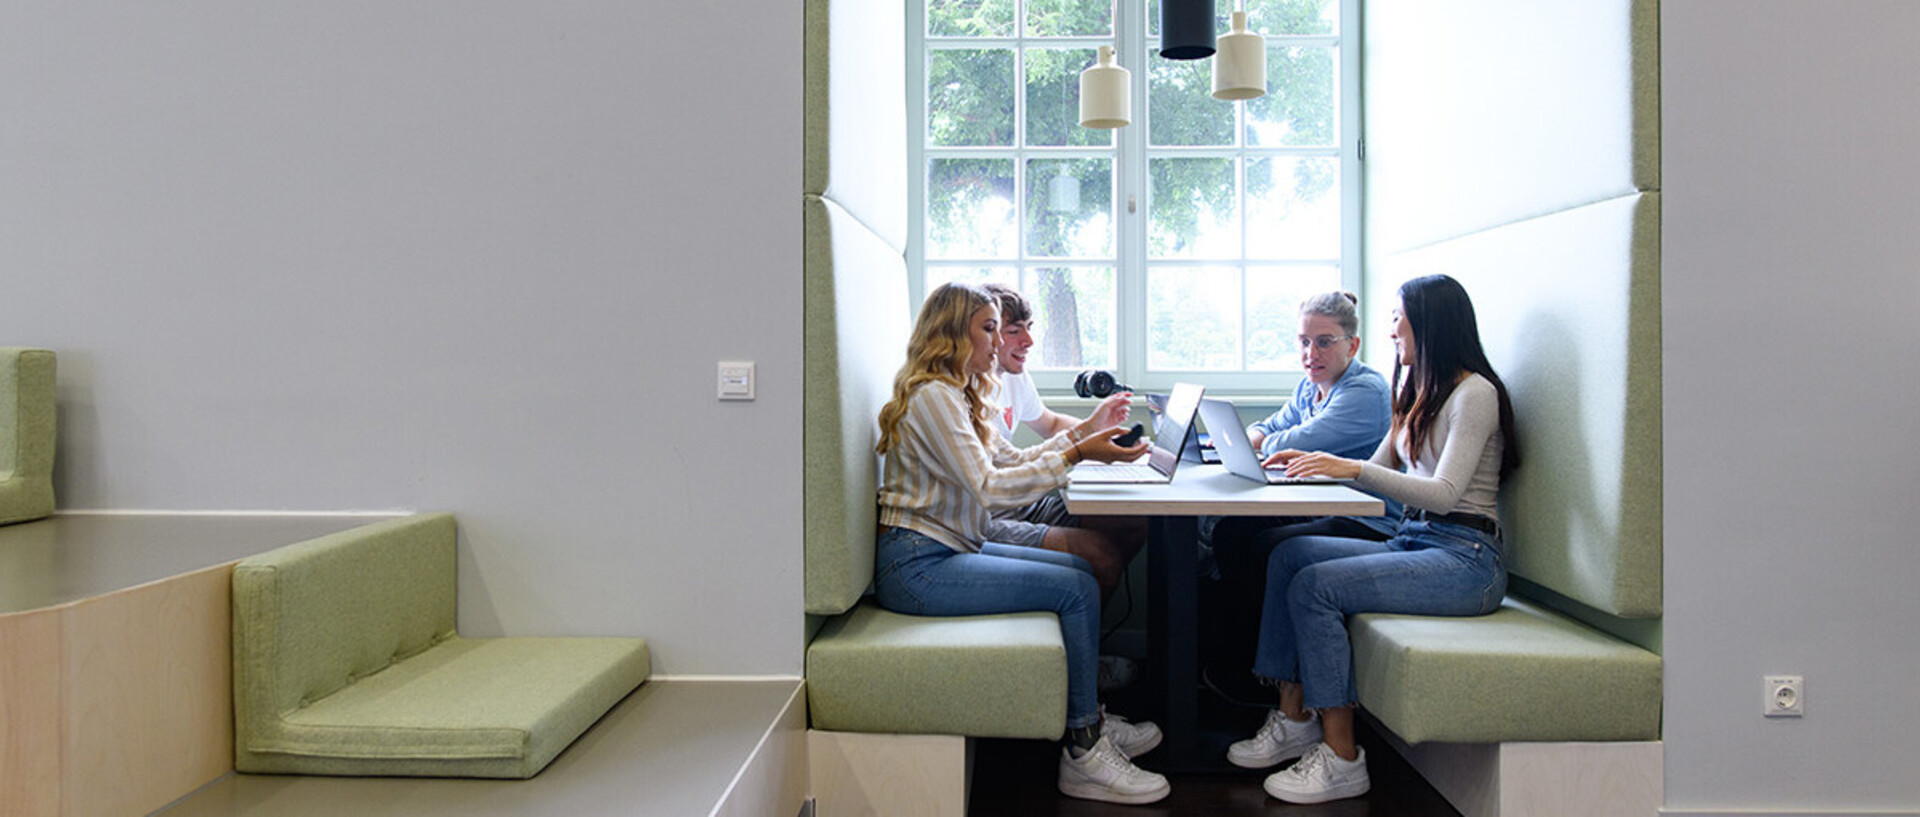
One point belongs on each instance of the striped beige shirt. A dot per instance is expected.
(941, 480)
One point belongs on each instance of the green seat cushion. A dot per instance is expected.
(346, 662)
(871, 670)
(468, 707)
(1521, 673)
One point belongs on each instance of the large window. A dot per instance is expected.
(1177, 248)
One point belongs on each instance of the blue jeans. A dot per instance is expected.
(919, 576)
(1314, 582)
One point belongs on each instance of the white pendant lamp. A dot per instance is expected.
(1240, 64)
(1105, 97)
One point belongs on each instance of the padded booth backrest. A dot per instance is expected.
(1515, 146)
(312, 617)
(856, 307)
(27, 433)
(856, 116)
(855, 292)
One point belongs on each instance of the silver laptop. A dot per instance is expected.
(1236, 449)
(1197, 449)
(1163, 455)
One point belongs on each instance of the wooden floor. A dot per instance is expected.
(1015, 778)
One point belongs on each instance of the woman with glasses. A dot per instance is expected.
(1340, 407)
(946, 469)
(1451, 444)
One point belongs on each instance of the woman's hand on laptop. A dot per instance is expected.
(1279, 459)
(1313, 464)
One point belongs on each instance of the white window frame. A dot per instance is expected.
(1131, 156)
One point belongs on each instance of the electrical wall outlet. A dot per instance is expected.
(1786, 696)
(736, 379)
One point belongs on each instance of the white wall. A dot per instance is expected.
(1791, 294)
(477, 256)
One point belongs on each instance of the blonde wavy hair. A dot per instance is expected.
(942, 343)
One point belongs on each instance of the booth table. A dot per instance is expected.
(1173, 567)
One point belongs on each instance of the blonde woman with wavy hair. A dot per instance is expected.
(939, 350)
(946, 470)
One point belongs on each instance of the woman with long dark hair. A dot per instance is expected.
(1452, 441)
(946, 470)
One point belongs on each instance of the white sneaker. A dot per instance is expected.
(1320, 776)
(1132, 739)
(1280, 740)
(1103, 773)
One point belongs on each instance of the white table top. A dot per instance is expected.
(1209, 490)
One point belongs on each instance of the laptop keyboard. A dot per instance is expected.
(1125, 470)
(1278, 476)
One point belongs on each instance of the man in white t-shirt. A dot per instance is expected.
(1108, 543)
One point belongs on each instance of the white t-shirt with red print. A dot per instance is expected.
(1018, 402)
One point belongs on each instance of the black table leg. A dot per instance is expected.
(1172, 624)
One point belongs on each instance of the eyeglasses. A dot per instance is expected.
(1321, 342)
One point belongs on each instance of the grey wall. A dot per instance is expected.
(480, 257)
(1792, 458)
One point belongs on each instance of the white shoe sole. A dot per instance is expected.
(1354, 789)
(1092, 791)
(1264, 762)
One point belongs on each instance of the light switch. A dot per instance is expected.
(736, 380)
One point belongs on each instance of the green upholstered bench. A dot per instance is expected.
(1523, 673)
(26, 434)
(872, 670)
(893, 699)
(1553, 703)
(869, 670)
(346, 662)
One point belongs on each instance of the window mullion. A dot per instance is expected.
(916, 254)
(1352, 169)
(1130, 204)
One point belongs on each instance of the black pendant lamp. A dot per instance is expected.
(1186, 29)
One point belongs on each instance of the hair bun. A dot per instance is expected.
(1351, 298)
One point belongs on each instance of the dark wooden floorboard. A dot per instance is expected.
(1015, 778)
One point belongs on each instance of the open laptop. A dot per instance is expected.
(1163, 455)
(1197, 448)
(1236, 449)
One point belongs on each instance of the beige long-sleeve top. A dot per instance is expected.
(1460, 470)
(941, 480)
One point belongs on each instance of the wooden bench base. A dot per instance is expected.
(1541, 779)
(115, 655)
(859, 773)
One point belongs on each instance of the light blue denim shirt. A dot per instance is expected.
(1350, 423)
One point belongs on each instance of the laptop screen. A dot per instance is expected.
(1173, 424)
